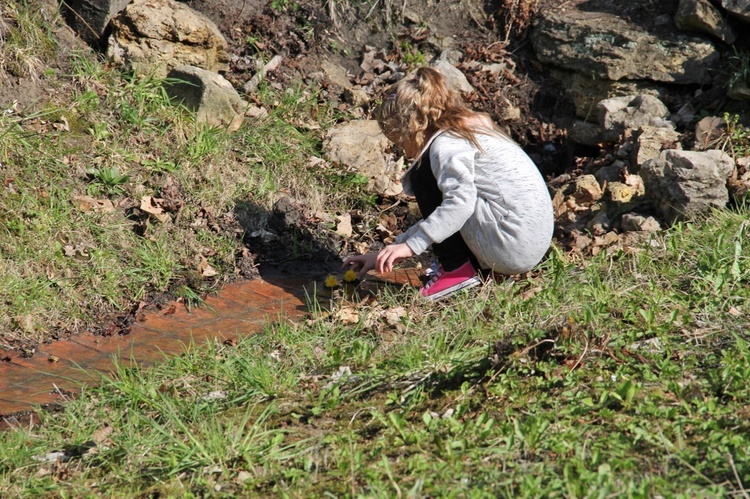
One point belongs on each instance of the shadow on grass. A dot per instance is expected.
(288, 241)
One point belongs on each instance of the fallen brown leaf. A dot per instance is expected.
(347, 315)
(205, 268)
(87, 203)
(154, 207)
(344, 227)
(102, 434)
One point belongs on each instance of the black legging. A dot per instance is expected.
(453, 251)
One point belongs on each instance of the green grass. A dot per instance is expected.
(626, 376)
(27, 39)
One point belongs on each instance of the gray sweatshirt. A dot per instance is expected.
(495, 196)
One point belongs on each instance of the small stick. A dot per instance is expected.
(737, 477)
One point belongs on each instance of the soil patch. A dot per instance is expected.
(29, 83)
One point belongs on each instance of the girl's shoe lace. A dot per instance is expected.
(432, 273)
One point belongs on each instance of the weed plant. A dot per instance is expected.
(626, 376)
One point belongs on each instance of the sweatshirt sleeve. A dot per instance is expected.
(452, 162)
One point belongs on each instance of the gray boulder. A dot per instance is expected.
(631, 222)
(453, 76)
(358, 146)
(586, 92)
(649, 141)
(682, 184)
(214, 100)
(702, 16)
(738, 8)
(629, 112)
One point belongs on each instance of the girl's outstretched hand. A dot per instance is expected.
(391, 255)
(360, 263)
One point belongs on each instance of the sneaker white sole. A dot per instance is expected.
(469, 283)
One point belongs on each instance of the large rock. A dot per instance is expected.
(155, 36)
(454, 78)
(682, 184)
(650, 141)
(629, 112)
(585, 133)
(210, 95)
(605, 46)
(587, 190)
(586, 92)
(359, 147)
(702, 16)
(90, 18)
(738, 8)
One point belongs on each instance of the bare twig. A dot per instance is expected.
(529, 348)
(80, 18)
(585, 350)
(242, 10)
(737, 477)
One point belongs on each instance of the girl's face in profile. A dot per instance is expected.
(410, 147)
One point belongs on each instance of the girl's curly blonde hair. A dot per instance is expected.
(417, 107)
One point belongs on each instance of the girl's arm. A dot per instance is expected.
(452, 162)
(391, 255)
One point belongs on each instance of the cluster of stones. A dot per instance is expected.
(616, 73)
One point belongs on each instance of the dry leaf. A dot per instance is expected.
(558, 203)
(102, 434)
(63, 126)
(254, 111)
(344, 227)
(215, 395)
(347, 315)
(393, 315)
(154, 207)
(581, 241)
(26, 322)
(530, 293)
(361, 248)
(388, 221)
(383, 232)
(205, 269)
(87, 203)
(80, 249)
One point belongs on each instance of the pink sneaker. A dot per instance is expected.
(442, 283)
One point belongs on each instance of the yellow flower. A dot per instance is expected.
(331, 281)
(350, 275)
